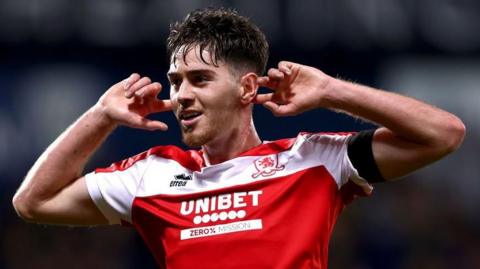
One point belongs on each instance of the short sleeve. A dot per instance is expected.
(331, 150)
(113, 189)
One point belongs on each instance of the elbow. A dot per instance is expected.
(23, 207)
(453, 136)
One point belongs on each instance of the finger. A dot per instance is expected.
(262, 98)
(162, 105)
(140, 122)
(267, 82)
(284, 68)
(273, 107)
(275, 74)
(284, 65)
(278, 110)
(137, 85)
(149, 90)
(263, 81)
(134, 77)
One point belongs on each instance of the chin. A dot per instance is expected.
(195, 140)
(192, 143)
(202, 134)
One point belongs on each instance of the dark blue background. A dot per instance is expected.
(57, 58)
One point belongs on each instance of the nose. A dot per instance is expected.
(185, 94)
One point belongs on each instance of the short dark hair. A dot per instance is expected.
(228, 37)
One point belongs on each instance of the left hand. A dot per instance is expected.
(297, 88)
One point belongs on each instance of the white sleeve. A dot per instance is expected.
(113, 189)
(330, 150)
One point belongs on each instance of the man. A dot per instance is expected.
(238, 202)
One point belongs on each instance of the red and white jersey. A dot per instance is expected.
(273, 206)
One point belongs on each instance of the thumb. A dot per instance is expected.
(279, 110)
(262, 98)
(140, 122)
(272, 106)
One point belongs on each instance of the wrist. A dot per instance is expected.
(333, 93)
(101, 117)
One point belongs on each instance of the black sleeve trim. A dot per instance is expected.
(361, 155)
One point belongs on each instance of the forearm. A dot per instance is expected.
(64, 160)
(413, 134)
(407, 118)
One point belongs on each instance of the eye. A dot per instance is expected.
(199, 79)
(175, 82)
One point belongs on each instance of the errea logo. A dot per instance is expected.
(180, 180)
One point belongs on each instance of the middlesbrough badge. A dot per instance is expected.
(267, 166)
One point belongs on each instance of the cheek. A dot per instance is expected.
(174, 101)
(172, 95)
(227, 99)
(223, 113)
(221, 107)
(220, 98)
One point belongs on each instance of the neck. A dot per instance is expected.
(231, 145)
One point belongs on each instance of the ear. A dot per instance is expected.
(249, 87)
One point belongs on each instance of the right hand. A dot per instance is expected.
(131, 100)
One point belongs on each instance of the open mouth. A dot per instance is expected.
(189, 115)
(188, 118)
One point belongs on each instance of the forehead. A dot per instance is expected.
(194, 58)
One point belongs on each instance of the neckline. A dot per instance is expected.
(265, 148)
(206, 161)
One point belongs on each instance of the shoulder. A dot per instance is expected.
(293, 143)
(331, 137)
(321, 141)
(188, 158)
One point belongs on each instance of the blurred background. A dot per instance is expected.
(57, 57)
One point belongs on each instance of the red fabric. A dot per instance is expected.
(188, 159)
(298, 213)
(192, 159)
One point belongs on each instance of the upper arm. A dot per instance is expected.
(396, 156)
(71, 206)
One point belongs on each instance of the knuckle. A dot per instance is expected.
(133, 77)
(275, 112)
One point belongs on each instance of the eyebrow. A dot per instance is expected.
(192, 72)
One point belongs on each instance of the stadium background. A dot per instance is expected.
(58, 56)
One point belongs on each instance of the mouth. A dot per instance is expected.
(189, 118)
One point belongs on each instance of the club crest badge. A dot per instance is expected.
(267, 166)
